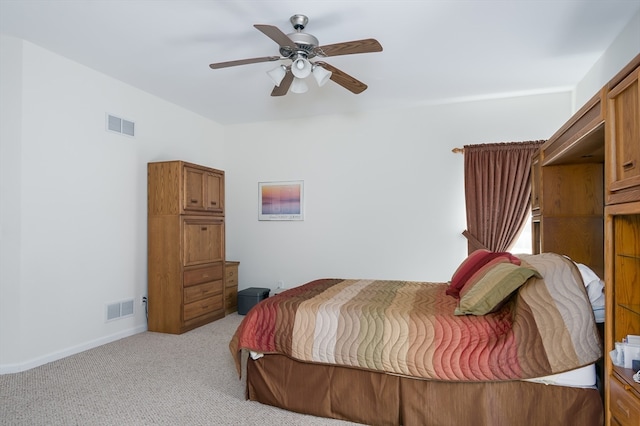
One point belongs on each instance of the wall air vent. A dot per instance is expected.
(119, 310)
(120, 125)
(126, 308)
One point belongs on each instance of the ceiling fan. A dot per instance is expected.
(299, 47)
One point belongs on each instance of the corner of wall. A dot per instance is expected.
(10, 196)
(623, 49)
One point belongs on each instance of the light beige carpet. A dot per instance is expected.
(146, 379)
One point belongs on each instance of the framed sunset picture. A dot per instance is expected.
(281, 200)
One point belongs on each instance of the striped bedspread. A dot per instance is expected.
(409, 329)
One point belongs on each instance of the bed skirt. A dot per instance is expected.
(375, 398)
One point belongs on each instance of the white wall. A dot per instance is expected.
(74, 215)
(384, 194)
(10, 196)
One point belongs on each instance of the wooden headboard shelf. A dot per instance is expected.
(581, 139)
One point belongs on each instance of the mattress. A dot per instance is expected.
(583, 377)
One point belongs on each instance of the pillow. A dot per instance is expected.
(482, 271)
(474, 262)
(465, 270)
(489, 291)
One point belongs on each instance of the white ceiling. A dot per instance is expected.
(435, 51)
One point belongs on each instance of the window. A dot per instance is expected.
(524, 242)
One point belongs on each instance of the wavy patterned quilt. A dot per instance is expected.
(408, 328)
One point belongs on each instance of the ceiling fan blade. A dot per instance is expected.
(344, 79)
(276, 35)
(284, 85)
(349, 47)
(244, 62)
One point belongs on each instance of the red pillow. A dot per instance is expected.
(472, 264)
(465, 270)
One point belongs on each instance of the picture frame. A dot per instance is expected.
(282, 200)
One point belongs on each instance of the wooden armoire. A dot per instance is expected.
(186, 246)
(586, 205)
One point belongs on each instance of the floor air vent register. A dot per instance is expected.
(119, 310)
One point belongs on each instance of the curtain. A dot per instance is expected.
(497, 184)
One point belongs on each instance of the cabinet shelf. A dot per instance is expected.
(635, 308)
(629, 256)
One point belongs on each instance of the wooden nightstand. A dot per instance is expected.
(231, 287)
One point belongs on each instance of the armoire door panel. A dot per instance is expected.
(203, 239)
(193, 189)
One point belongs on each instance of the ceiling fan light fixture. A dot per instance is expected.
(321, 75)
(301, 67)
(299, 86)
(277, 74)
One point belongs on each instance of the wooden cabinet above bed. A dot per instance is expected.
(568, 188)
(623, 141)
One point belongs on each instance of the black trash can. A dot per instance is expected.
(250, 297)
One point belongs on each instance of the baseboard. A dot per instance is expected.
(36, 362)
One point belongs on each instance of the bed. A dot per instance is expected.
(509, 340)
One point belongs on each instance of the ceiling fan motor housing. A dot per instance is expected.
(305, 44)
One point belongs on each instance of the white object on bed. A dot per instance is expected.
(594, 286)
(583, 377)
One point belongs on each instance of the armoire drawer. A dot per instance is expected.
(202, 291)
(202, 275)
(202, 307)
(625, 407)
